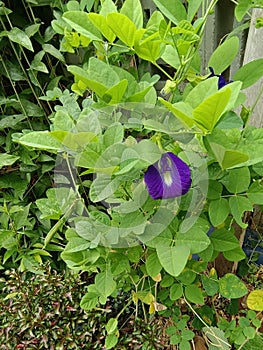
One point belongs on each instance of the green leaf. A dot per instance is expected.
(53, 52)
(214, 189)
(175, 338)
(90, 156)
(123, 27)
(217, 338)
(241, 8)
(31, 108)
(126, 167)
(107, 7)
(153, 266)
(250, 73)
(73, 5)
(11, 120)
(103, 73)
(238, 205)
(110, 341)
(153, 239)
(147, 151)
(21, 217)
(167, 281)
(119, 264)
(79, 20)
(249, 332)
(252, 145)
(218, 211)
(203, 90)
(235, 254)
(231, 183)
(255, 193)
(194, 294)
(170, 56)
(154, 21)
(114, 134)
(63, 121)
(100, 78)
(174, 10)
(210, 285)
(105, 283)
(176, 291)
(7, 239)
(110, 158)
(173, 259)
(187, 276)
(133, 10)
(103, 187)
(89, 301)
(187, 334)
(76, 244)
(41, 140)
(111, 325)
(78, 259)
(149, 50)
(135, 253)
(255, 300)
(192, 8)
(181, 110)
(15, 181)
(4, 11)
(171, 330)
(230, 120)
(227, 158)
(236, 98)
(140, 96)
(7, 159)
(100, 23)
(186, 30)
(51, 207)
(224, 240)
(37, 65)
(224, 55)
(184, 345)
(231, 287)
(144, 296)
(195, 239)
(208, 113)
(18, 36)
(114, 94)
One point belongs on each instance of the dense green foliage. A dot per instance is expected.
(82, 120)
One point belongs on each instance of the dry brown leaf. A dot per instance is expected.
(199, 343)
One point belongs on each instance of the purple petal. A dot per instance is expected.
(212, 72)
(221, 80)
(170, 177)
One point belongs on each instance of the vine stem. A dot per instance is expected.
(180, 73)
(16, 93)
(200, 318)
(163, 71)
(123, 309)
(195, 313)
(241, 241)
(22, 67)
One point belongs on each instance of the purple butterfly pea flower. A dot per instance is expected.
(221, 80)
(170, 177)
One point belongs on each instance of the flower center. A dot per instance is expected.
(165, 164)
(167, 178)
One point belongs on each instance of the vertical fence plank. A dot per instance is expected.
(254, 50)
(208, 42)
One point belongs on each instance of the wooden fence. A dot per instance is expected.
(221, 23)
